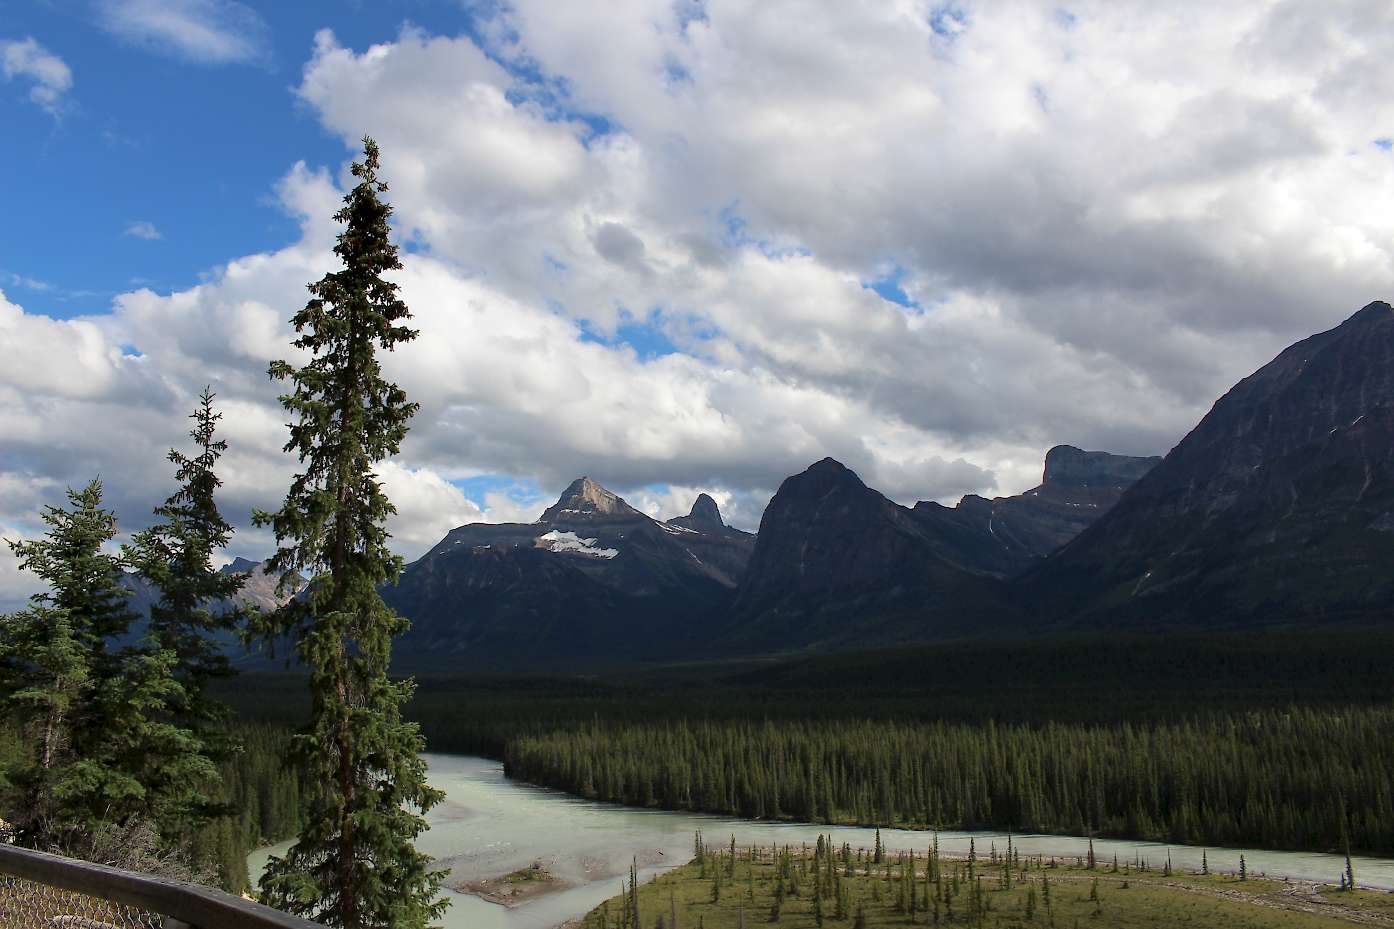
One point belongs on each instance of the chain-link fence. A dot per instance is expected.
(42, 891)
(31, 905)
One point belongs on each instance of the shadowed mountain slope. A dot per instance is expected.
(1277, 508)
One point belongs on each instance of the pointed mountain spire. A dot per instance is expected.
(585, 499)
(705, 511)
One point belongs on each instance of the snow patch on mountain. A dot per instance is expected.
(559, 541)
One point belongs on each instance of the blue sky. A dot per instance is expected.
(152, 134)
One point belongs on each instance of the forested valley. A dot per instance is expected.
(1203, 739)
(1275, 779)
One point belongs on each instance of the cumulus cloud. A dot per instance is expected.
(645, 239)
(49, 76)
(143, 229)
(212, 32)
(1091, 269)
(16, 586)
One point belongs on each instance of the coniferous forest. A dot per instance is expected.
(1259, 742)
(1277, 779)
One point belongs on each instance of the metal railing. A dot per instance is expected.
(41, 891)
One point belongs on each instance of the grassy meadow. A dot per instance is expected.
(809, 888)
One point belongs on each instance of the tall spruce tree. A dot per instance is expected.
(195, 601)
(86, 706)
(354, 865)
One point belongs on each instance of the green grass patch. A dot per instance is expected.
(1030, 893)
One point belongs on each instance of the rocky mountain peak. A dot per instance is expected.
(1372, 314)
(587, 499)
(705, 511)
(829, 465)
(820, 478)
(241, 566)
(1067, 466)
(1272, 506)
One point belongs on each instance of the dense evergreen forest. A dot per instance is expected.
(263, 798)
(1200, 739)
(1277, 779)
(260, 803)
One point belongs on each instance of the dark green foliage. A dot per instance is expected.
(1263, 779)
(96, 762)
(355, 865)
(1233, 740)
(175, 555)
(262, 797)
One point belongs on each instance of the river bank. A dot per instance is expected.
(490, 827)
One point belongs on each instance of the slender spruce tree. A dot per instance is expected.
(196, 600)
(355, 865)
(1349, 876)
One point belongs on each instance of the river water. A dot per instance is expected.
(489, 826)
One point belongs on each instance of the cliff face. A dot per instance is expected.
(837, 563)
(1007, 535)
(1277, 507)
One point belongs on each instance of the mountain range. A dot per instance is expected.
(1276, 510)
(592, 578)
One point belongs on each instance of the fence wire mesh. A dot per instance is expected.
(31, 905)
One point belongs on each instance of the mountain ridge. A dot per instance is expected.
(1277, 508)
(589, 579)
(1273, 508)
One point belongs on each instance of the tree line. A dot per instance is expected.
(1294, 779)
(117, 751)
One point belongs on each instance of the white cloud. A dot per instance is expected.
(49, 76)
(143, 229)
(1091, 268)
(210, 32)
(16, 586)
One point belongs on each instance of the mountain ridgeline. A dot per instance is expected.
(837, 563)
(596, 579)
(1276, 510)
(593, 578)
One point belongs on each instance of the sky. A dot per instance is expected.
(676, 245)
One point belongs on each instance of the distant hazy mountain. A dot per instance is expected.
(258, 591)
(1277, 508)
(594, 577)
(258, 587)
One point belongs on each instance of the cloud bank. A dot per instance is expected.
(685, 247)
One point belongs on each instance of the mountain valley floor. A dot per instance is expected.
(1038, 893)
